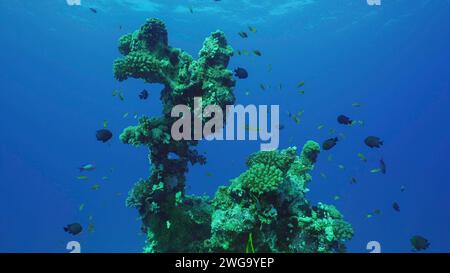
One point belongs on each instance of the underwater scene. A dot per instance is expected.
(216, 126)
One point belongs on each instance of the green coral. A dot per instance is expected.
(261, 178)
(285, 221)
(266, 204)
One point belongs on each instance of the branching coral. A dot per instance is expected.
(266, 203)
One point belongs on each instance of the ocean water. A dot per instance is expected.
(56, 83)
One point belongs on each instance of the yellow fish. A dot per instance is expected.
(362, 157)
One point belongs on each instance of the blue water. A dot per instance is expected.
(56, 83)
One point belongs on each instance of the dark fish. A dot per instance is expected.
(257, 53)
(73, 229)
(243, 34)
(353, 181)
(241, 73)
(93, 10)
(419, 243)
(382, 166)
(103, 135)
(344, 120)
(373, 141)
(396, 206)
(143, 95)
(329, 143)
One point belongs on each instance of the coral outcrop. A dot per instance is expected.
(266, 203)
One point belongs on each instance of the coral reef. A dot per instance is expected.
(265, 205)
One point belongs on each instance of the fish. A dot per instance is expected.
(105, 178)
(105, 123)
(81, 207)
(269, 68)
(103, 135)
(119, 94)
(125, 115)
(241, 73)
(377, 211)
(329, 143)
(82, 177)
(359, 122)
(300, 84)
(369, 215)
(91, 228)
(263, 87)
(73, 229)
(382, 166)
(356, 104)
(342, 167)
(239, 53)
(396, 206)
(377, 170)
(87, 167)
(168, 224)
(143, 95)
(320, 127)
(402, 188)
(191, 10)
(353, 181)
(243, 34)
(362, 157)
(257, 53)
(373, 142)
(93, 10)
(337, 198)
(252, 29)
(419, 243)
(323, 175)
(95, 187)
(208, 174)
(342, 119)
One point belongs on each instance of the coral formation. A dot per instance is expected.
(265, 205)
